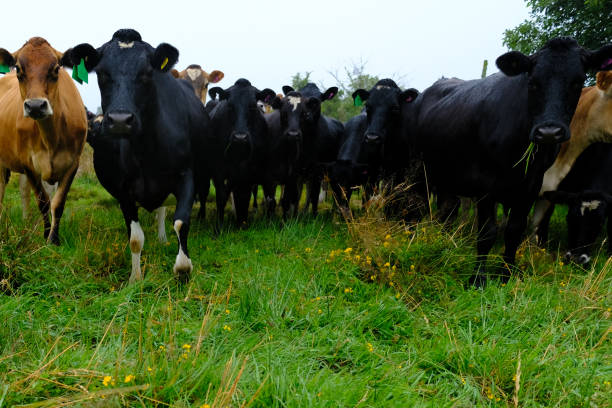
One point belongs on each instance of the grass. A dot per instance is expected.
(308, 313)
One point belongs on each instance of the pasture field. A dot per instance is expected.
(313, 312)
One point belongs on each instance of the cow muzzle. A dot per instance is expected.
(550, 134)
(293, 135)
(240, 137)
(120, 123)
(373, 138)
(37, 108)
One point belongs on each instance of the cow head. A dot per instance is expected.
(37, 66)
(126, 68)
(585, 217)
(199, 79)
(555, 76)
(384, 103)
(604, 82)
(239, 113)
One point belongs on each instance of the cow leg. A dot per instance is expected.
(487, 232)
(160, 218)
(58, 202)
(541, 231)
(540, 210)
(221, 195)
(25, 190)
(517, 222)
(5, 174)
(314, 189)
(269, 189)
(184, 203)
(135, 237)
(242, 195)
(42, 199)
(203, 193)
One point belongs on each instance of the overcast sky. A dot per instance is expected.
(269, 41)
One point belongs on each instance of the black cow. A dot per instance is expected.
(143, 145)
(319, 137)
(587, 190)
(237, 147)
(374, 147)
(474, 134)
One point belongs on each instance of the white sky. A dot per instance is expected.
(268, 41)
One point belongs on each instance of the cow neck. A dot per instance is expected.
(48, 133)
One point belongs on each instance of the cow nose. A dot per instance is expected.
(372, 137)
(36, 108)
(240, 137)
(294, 134)
(120, 122)
(549, 135)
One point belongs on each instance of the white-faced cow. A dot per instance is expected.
(199, 79)
(473, 134)
(143, 150)
(592, 122)
(42, 125)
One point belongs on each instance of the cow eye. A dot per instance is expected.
(54, 72)
(19, 72)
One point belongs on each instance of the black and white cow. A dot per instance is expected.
(143, 145)
(237, 147)
(319, 135)
(474, 134)
(587, 191)
(374, 146)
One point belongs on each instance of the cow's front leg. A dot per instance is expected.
(135, 237)
(42, 199)
(517, 222)
(160, 219)
(58, 202)
(487, 232)
(184, 203)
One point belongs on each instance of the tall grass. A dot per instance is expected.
(306, 312)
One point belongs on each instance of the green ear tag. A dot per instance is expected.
(75, 75)
(357, 101)
(4, 69)
(82, 71)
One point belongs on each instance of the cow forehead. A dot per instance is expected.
(39, 54)
(193, 73)
(589, 205)
(294, 101)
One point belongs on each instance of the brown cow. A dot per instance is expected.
(199, 79)
(43, 125)
(591, 123)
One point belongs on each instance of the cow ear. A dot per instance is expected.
(599, 60)
(6, 58)
(85, 52)
(265, 96)
(360, 96)
(215, 76)
(213, 92)
(604, 80)
(164, 57)
(276, 103)
(559, 197)
(329, 94)
(174, 73)
(287, 89)
(513, 63)
(409, 95)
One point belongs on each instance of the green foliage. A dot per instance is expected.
(287, 314)
(587, 21)
(298, 81)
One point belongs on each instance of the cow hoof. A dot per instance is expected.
(182, 267)
(53, 239)
(478, 281)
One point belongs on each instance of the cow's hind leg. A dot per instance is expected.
(517, 222)
(487, 232)
(160, 219)
(135, 237)
(42, 199)
(58, 202)
(184, 203)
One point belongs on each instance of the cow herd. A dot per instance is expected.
(496, 140)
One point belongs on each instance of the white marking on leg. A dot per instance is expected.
(294, 101)
(589, 205)
(584, 259)
(193, 73)
(126, 44)
(182, 264)
(160, 217)
(136, 244)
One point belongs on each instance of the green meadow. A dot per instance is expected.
(311, 312)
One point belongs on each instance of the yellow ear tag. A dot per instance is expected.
(163, 65)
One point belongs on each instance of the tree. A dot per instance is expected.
(588, 21)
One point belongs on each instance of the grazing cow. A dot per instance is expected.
(474, 134)
(143, 149)
(199, 79)
(374, 147)
(237, 148)
(591, 123)
(43, 125)
(319, 135)
(587, 190)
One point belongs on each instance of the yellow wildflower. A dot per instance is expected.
(320, 311)
(387, 264)
(388, 236)
(348, 290)
(357, 257)
(227, 328)
(187, 347)
(370, 347)
(129, 378)
(348, 250)
(107, 380)
(162, 348)
(227, 311)
(205, 406)
(386, 244)
(149, 369)
(307, 250)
